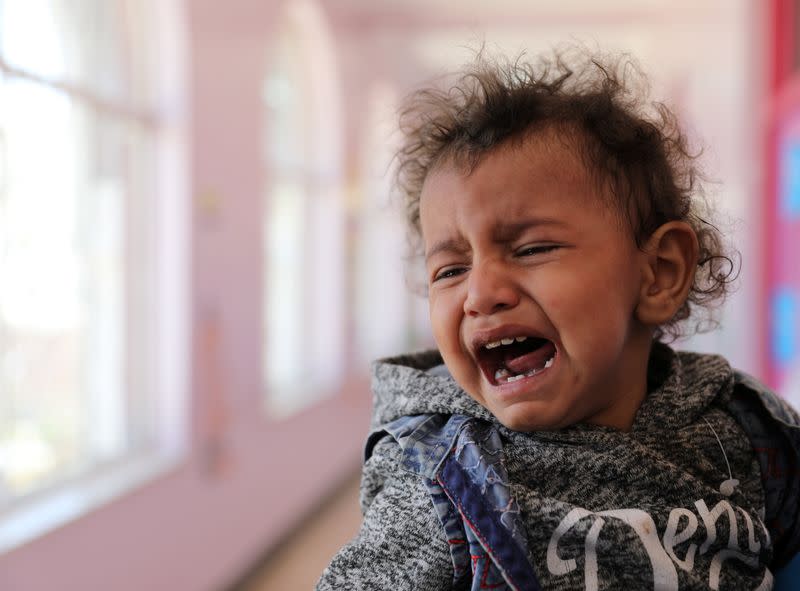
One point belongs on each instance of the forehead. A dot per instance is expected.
(541, 176)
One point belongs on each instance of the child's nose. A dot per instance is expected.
(489, 290)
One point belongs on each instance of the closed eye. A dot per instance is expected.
(449, 272)
(532, 250)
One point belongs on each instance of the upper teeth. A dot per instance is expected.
(506, 341)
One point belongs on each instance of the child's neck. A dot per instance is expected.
(622, 413)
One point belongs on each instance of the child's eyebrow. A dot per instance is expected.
(502, 232)
(452, 245)
(509, 231)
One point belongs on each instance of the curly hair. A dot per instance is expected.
(632, 145)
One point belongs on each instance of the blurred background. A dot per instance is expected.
(199, 255)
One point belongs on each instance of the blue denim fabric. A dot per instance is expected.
(461, 460)
(476, 482)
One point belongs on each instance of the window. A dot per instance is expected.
(385, 279)
(82, 245)
(304, 246)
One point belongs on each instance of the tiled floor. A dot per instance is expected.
(296, 566)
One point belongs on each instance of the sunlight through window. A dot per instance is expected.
(78, 224)
(304, 247)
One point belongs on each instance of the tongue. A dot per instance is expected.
(530, 361)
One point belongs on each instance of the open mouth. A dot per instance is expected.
(514, 358)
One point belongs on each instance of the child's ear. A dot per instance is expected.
(670, 260)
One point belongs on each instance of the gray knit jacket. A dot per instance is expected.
(675, 503)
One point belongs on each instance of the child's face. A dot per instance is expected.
(526, 246)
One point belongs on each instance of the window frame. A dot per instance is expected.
(158, 111)
(317, 172)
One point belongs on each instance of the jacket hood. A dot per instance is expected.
(681, 385)
(418, 384)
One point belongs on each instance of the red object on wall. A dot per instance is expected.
(780, 303)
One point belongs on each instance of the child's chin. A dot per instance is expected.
(527, 420)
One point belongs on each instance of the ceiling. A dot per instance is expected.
(402, 14)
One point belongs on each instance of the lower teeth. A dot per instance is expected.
(504, 375)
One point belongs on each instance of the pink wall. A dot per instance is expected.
(194, 530)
